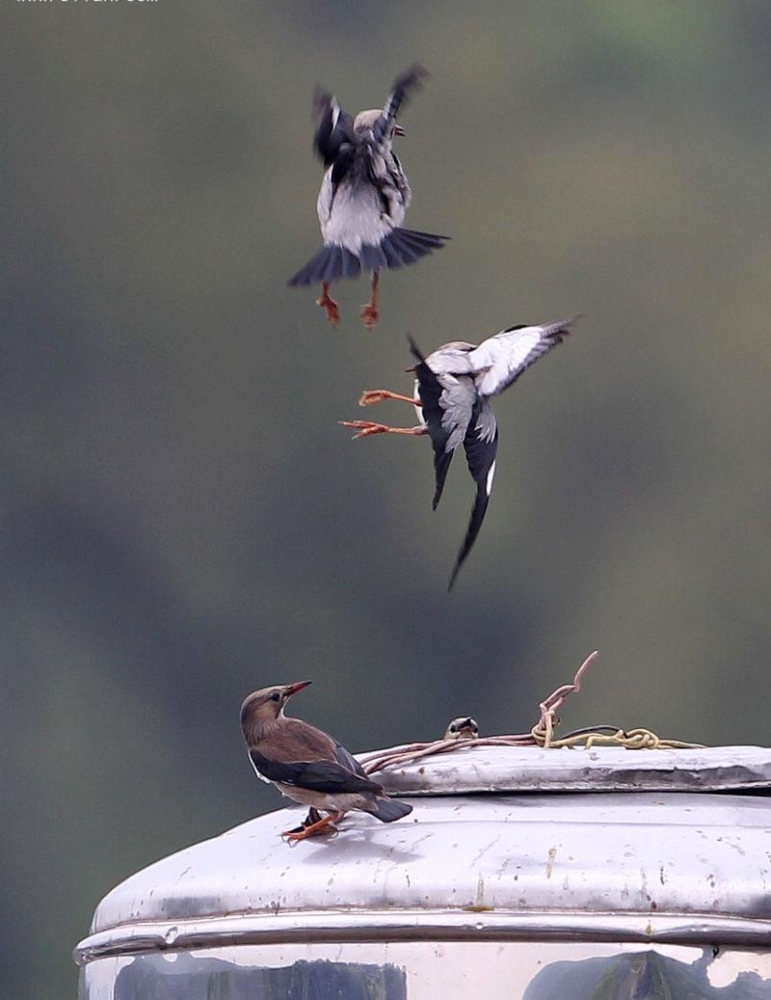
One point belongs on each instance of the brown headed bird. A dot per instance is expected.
(308, 766)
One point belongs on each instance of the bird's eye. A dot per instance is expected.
(275, 696)
(453, 729)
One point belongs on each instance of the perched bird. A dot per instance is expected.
(308, 766)
(453, 387)
(462, 728)
(363, 198)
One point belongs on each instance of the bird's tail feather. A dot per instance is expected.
(388, 810)
(399, 247)
(329, 264)
(405, 246)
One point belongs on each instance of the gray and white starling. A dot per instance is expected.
(453, 388)
(363, 198)
(308, 766)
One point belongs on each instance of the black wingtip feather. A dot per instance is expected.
(441, 468)
(429, 392)
(415, 350)
(475, 523)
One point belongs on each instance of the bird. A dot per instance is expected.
(308, 766)
(453, 388)
(462, 728)
(363, 198)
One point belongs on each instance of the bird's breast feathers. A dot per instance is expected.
(357, 212)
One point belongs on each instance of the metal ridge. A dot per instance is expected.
(412, 925)
(473, 769)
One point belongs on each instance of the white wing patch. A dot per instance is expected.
(489, 483)
(260, 776)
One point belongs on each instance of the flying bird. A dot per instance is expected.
(462, 728)
(308, 766)
(453, 388)
(363, 198)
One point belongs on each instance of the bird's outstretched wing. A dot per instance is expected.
(326, 776)
(500, 360)
(334, 127)
(447, 402)
(481, 447)
(403, 85)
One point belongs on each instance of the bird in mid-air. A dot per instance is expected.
(363, 198)
(453, 387)
(308, 766)
(462, 728)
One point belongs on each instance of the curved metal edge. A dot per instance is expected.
(373, 925)
(404, 783)
(471, 768)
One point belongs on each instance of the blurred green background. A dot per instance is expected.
(182, 519)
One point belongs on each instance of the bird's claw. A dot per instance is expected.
(364, 428)
(313, 826)
(325, 301)
(369, 313)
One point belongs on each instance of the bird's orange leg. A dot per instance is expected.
(371, 396)
(369, 312)
(315, 829)
(313, 817)
(327, 302)
(366, 427)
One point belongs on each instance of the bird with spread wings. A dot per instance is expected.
(453, 388)
(363, 198)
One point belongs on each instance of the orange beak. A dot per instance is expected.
(294, 688)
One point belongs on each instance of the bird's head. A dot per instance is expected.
(365, 121)
(463, 728)
(263, 707)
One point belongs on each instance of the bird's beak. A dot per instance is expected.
(398, 130)
(291, 689)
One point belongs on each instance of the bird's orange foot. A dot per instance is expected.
(313, 817)
(325, 301)
(371, 396)
(370, 315)
(319, 828)
(367, 427)
(364, 427)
